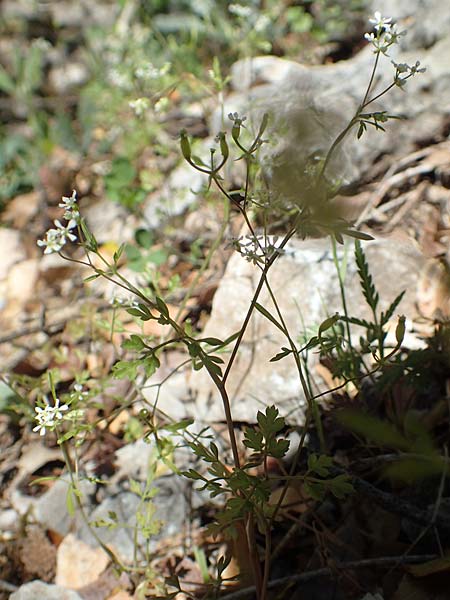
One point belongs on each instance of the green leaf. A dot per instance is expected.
(135, 487)
(284, 352)
(313, 343)
(383, 433)
(278, 447)
(315, 489)
(263, 126)
(328, 323)
(268, 316)
(91, 242)
(212, 341)
(118, 253)
(6, 82)
(340, 486)
(162, 307)
(319, 464)
(126, 369)
(270, 422)
(151, 364)
(253, 438)
(359, 235)
(135, 342)
(367, 285)
(179, 425)
(191, 474)
(144, 238)
(390, 311)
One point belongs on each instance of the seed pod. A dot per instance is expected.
(400, 330)
(185, 145)
(236, 130)
(223, 145)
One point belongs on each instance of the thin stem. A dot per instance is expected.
(80, 506)
(207, 260)
(372, 76)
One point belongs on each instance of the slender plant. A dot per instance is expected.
(246, 482)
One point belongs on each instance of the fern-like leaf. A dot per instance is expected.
(367, 285)
(390, 311)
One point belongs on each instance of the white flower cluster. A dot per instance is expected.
(49, 416)
(148, 71)
(139, 106)
(405, 70)
(57, 237)
(120, 79)
(240, 10)
(257, 249)
(386, 33)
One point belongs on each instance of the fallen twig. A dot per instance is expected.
(384, 561)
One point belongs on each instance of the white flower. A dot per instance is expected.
(139, 106)
(262, 23)
(379, 42)
(392, 33)
(56, 238)
(379, 22)
(78, 393)
(400, 67)
(70, 206)
(53, 241)
(240, 11)
(64, 230)
(148, 71)
(415, 68)
(49, 417)
(119, 79)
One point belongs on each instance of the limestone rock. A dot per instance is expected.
(305, 283)
(78, 564)
(310, 105)
(43, 591)
(427, 21)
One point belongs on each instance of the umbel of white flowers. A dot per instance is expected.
(49, 416)
(57, 237)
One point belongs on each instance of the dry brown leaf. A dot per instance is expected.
(438, 565)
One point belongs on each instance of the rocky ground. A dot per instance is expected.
(385, 541)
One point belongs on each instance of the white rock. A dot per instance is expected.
(305, 283)
(310, 106)
(77, 564)
(38, 590)
(11, 249)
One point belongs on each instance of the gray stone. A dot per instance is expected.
(171, 510)
(305, 283)
(12, 250)
(178, 193)
(67, 77)
(38, 590)
(310, 106)
(50, 509)
(427, 21)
